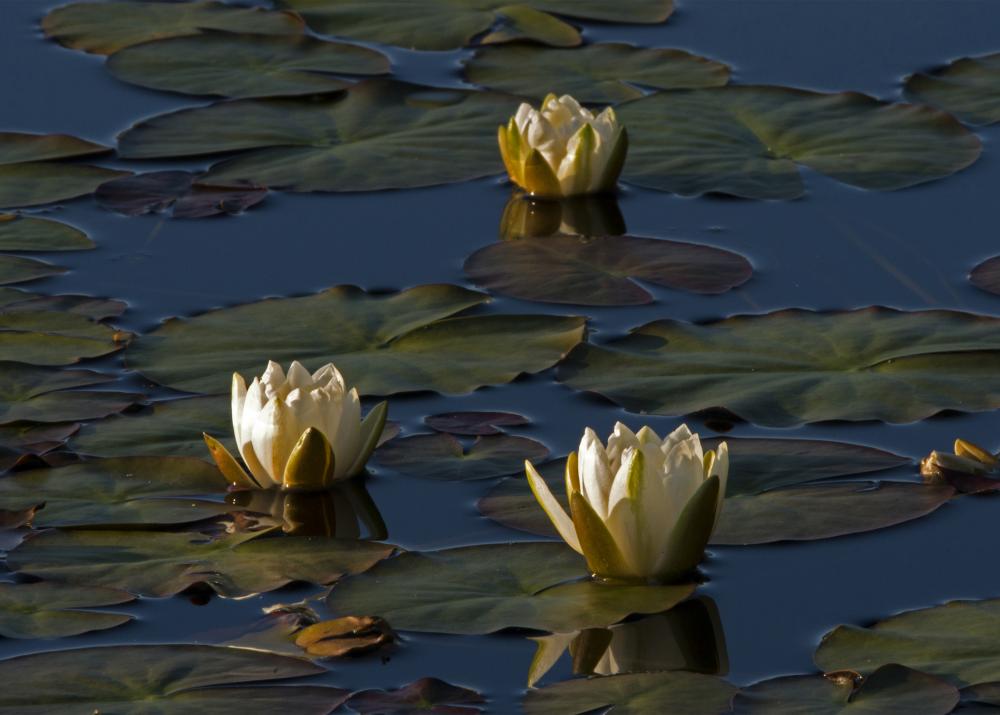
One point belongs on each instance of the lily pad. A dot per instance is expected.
(132, 491)
(750, 140)
(602, 72)
(20, 147)
(600, 270)
(446, 25)
(14, 269)
(166, 679)
(441, 456)
(37, 394)
(793, 366)
(969, 88)
(956, 641)
(424, 695)
(15, 299)
(33, 437)
(379, 134)
(106, 27)
(474, 423)
(180, 191)
(228, 65)
(27, 233)
(383, 343)
(634, 694)
(890, 689)
(48, 610)
(987, 275)
(482, 589)
(45, 337)
(157, 564)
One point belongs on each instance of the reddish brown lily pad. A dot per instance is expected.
(427, 695)
(159, 191)
(474, 423)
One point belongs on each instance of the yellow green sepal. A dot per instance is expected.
(599, 548)
(689, 537)
(230, 467)
(311, 463)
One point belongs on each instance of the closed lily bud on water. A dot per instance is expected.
(968, 459)
(563, 149)
(298, 431)
(642, 507)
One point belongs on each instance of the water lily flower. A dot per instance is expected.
(642, 507)
(299, 432)
(968, 458)
(563, 149)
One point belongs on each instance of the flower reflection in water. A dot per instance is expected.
(527, 217)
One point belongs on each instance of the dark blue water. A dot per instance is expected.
(836, 248)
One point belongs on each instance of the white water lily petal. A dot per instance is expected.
(621, 438)
(721, 468)
(238, 397)
(595, 472)
(347, 441)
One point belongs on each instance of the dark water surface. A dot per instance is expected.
(836, 248)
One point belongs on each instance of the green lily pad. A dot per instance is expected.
(106, 27)
(890, 689)
(15, 299)
(14, 269)
(793, 366)
(35, 438)
(602, 72)
(441, 456)
(384, 344)
(956, 641)
(987, 275)
(180, 191)
(165, 679)
(424, 695)
(750, 140)
(980, 698)
(135, 491)
(600, 270)
(969, 88)
(48, 610)
(159, 563)
(37, 394)
(19, 147)
(228, 65)
(45, 337)
(27, 233)
(482, 589)
(379, 134)
(446, 25)
(634, 694)
(823, 511)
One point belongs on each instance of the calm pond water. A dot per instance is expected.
(836, 248)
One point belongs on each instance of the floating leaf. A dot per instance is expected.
(602, 72)
(33, 437)
(106, 27)
(969, 88)
(424, 695)
(48, 610)
(600, 270)
(379, 134)
(15, 299)
(634, 694)
(446, 25)
(46, 337)
(14, 269)
(350, 635)
(956, 641)
(180, 190)
(151, 563)
(441, 456)
(749, 140)
(474, 423)
(383, 343)
(756, 465)
(482, 589)
(18, 147)
(228, 65)
(166, 679)
(890, 689)
(27, 233)
(38, 394)
(987, 275)
(118, 492)
(793, 366)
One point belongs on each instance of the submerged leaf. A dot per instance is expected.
(180, 191)
(474, 423)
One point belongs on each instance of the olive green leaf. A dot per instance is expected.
(750, 140)
(446, 25)
(383, 343)
(969, 88)
(15, 299)
(46, 337)
(379, 134)
(19, 147)
(793, 366)
(14, 269)
(956, 641)
(27, 233)
(602, 72)
(49, 610)
(231, 65)
(106, 27)
(482, 589)
(441, 456)
(165, 679)
(38, 394)
(160, 563)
